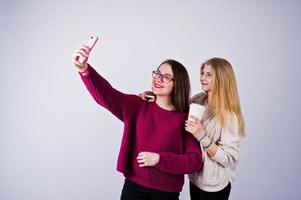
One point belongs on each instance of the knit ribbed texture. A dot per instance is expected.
(147, 127)
(218, 170)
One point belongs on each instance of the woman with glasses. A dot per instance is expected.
(218, 132)
(156, 151)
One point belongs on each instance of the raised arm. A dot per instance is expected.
(118, 103)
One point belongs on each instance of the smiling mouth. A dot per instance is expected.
(158, 86)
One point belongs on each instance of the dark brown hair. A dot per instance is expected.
(181, 90)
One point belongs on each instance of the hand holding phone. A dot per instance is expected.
(149, 97)
(90, 44)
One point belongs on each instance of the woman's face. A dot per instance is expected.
(159, 87)
(207, 78)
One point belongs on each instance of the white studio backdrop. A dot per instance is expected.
(56, 143)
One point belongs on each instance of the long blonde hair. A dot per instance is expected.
(225, 98)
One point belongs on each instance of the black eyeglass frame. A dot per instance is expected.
(157, 74)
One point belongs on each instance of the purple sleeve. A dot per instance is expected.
(104, 94)
(188, 162)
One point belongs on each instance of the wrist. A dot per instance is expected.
(207, 145)
(158, 158)
(84, 70)
(205, 141)
(201, 137)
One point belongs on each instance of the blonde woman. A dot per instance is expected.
(219, 132)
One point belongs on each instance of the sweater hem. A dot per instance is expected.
(211, 188)
(155, 187)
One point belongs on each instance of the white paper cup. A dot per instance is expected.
(196, 110)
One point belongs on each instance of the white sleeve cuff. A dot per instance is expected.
(219, 155)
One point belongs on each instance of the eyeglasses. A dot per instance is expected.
(164, 77)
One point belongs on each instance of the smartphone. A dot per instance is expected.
(149, 97)
(92, 41)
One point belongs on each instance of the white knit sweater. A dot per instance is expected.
(219, 170)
